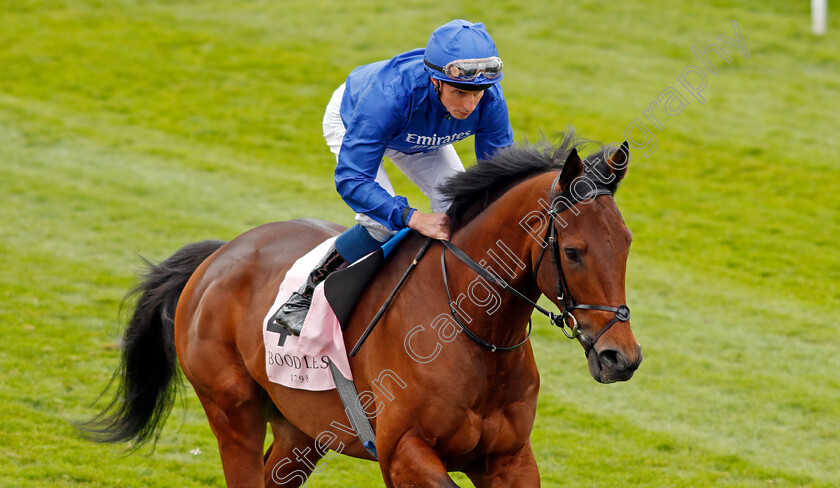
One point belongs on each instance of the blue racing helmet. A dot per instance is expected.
(463, 53)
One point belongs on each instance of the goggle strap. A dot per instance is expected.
(433, 66)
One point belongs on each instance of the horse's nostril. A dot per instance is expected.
(612, 359)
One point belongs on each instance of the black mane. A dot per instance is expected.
(484, 182)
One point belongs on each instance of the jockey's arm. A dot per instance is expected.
(372, 124)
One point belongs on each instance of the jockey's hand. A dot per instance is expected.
(434, 225)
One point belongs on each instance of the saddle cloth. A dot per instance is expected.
(303, 362)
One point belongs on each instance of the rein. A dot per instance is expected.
(564, 295)
(470, 262)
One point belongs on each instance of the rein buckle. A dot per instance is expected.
(562, 321)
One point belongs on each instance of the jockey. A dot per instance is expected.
(411, 109)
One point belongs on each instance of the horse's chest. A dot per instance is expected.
(489, 432)
(503, 432)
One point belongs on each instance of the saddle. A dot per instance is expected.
(302, 362)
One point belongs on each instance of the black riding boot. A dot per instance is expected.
(292, 314)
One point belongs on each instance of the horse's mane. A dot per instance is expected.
(486, 181)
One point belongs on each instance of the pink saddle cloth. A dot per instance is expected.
(303, 362)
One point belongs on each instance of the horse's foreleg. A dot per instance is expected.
(291, 457)
(414, 464)
(518, 470)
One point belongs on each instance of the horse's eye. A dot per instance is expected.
(572, 254)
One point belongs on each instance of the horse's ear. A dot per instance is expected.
(572, 168)
(618, 161)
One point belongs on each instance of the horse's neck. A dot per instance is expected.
(498, 240)
(503, 238)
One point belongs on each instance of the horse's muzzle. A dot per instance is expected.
(611, 365)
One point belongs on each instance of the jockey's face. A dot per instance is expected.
(459, 103)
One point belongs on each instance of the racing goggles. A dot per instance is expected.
(469, 69)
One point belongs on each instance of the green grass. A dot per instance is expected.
(141, 126)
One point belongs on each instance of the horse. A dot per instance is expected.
(444, 385)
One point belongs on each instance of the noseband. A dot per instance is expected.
(565, 319)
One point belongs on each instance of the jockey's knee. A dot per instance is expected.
(357, 242)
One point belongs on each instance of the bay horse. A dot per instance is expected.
(439, 402)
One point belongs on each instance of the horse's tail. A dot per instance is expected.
(145, 376)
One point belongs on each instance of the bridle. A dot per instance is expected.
(565, 319)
